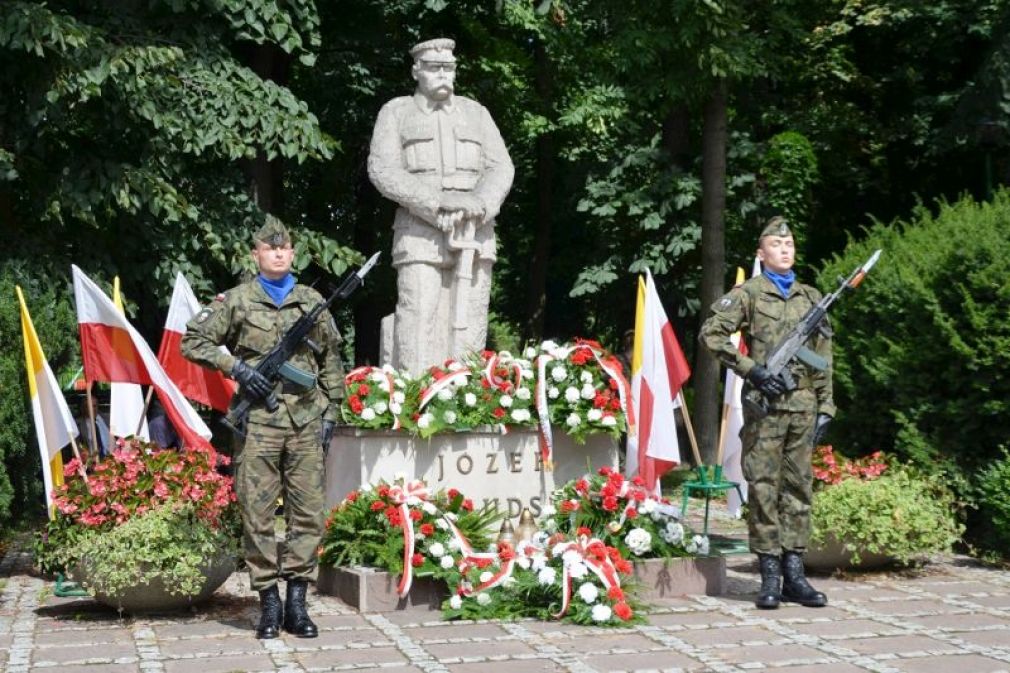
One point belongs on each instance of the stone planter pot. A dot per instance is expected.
(837, 555)
(662, 579)
(153, 595)
(374, 590)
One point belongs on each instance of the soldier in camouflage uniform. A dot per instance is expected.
(283, 451)
(777, 449)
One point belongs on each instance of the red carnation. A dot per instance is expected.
(569, 506)
(601, 399)
(606, 470)
(623, 610)
(354, 402)
(415, 515)
(631, 513)
(610, 503)
(615, 594)
(582, 486)
(352, 496)
(468, 505)
(363, 390)
(498, 413)
(377, 505)
(505, 551)
(613, 384)
(580, 356)
(417, 560)
(583, 530)
(452, 493)
(427, 529)
(383, 491)
(637, 480)
(623, 566)
(615, 404)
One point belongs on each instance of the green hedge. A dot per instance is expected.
(48, 297)
(992, 521)
(922, 348)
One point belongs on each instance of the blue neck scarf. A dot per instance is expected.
(277, 289)
(783, 281)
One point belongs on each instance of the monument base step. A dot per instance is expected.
(661, 579)
(374, 590)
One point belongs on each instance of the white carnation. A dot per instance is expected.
(639, 541)
(399, 397)
(380, 407)
(445, 394)
(520, 415)
(523, 562)
(571, 394)
(425, 420)
(573, 420)
(578, 570)
(437, 550)
(470, 400)
(548, 346)
(547, 575)
(558, 373)
(609, 421)
(553, 393)
(672, 532)
(588, 592)
(647, 506)
(550, 525)
(442, 525)
(530, 352)
(601, 612)
(483, 598)
(505, 401)
(378, 377)
(399, 383)
(429, 508)
(368, 414)
(594, 415)
(449, 416)
(697, 545)
(456, 602)
(454, 544)
(523, 393)
(527, 374)
(395, 408)
(548, 511)
(447, 562)
(485, 576)
(538, 562)
(588, 391)
(586, 377)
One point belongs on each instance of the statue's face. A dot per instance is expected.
(435, 79)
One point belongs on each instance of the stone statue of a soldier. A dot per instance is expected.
(441, 157)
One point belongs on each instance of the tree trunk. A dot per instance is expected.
(713, 255)
(266, 178)
(536, 304)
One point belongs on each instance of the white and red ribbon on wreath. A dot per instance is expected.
(470, 557)
(387, 381)
(495, 381)
(601, 566)
(402, 496)
(429, 393)
(609, 366)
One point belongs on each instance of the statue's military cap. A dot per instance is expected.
(777, 226)
(439, 49)
(273, 232)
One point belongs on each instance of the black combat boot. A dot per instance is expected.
(795, 588)
(271, 614)
(770, 595)
(296, 617)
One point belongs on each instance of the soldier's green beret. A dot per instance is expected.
(273, 232)
(777, 226)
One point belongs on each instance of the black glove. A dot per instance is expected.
(821, 428)
(326, 435)
(770, 385)
(252, 382)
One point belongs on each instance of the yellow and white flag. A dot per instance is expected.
(126, 405)
(54, 424)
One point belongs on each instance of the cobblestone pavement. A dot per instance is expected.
(950, 617)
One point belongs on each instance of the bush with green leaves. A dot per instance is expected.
(901, 514)
(922, 348)
(993, 498)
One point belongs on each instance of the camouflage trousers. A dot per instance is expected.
(276, 462)
(777, 454)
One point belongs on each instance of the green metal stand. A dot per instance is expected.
(707, 484)
(65, 589)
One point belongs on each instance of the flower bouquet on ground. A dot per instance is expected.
(581, 386)
(624, 515)
(402, 528)
(481, 389)
(145, 514)
(574, 578)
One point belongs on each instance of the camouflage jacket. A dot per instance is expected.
(247, 322)
(765, 317)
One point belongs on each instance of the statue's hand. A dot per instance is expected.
(447, 220)
(468, 204)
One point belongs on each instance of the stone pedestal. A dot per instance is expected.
(660, 578)
(485, 466)
(374, 590)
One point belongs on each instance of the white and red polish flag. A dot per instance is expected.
(658, 371)
(127, 408)
(113, 351)
(206, 386)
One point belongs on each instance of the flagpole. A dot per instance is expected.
(91, 424)
(722, 433)
(690, 428)
(80, 463)
(143, 412)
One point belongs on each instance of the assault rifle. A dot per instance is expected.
(793, 345)
(275, 365)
